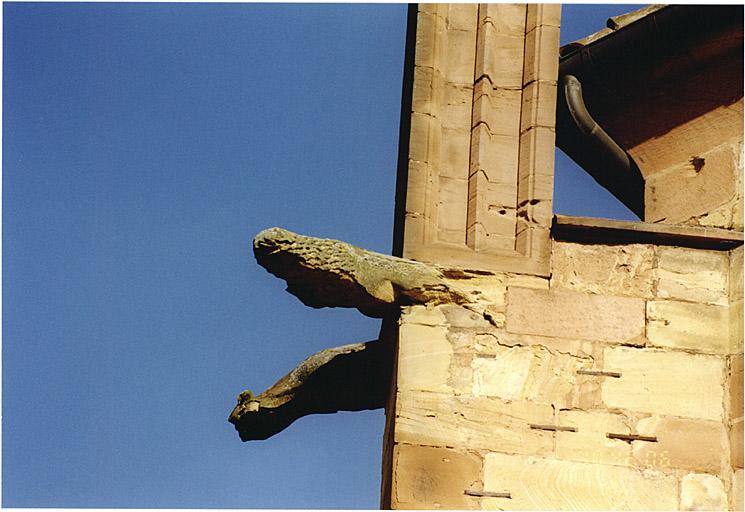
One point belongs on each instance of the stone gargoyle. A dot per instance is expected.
(330, 273)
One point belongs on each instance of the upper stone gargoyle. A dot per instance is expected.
(330, 273)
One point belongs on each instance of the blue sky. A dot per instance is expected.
(144, 145)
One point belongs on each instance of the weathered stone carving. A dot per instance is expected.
(348, 378)
(330, 273)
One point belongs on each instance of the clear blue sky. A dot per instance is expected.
(143, 147)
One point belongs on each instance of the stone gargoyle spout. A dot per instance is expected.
(330, 273)
(348, 378)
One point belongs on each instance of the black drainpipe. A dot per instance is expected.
(620, 172)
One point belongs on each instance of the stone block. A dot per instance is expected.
(735, 326)
(577, 348)
(436, 419)
(461, 374)
(488, 195)
(533, 242)
(458, 316)
(490, 230)
(695, 445)
(422, 131)
(426, 33)
(545, 484)
(536, 158)
(455, 158)
(737, 490)
(499, 225)
(527, 281)
(457, 109)
(675, 195)
(534, 190)
(421, 95)
(462, 16)
(603, 269)
(504, 375)
(423, 315)
(667, 383)
(499, 57)
(687, 325)
(460, 56)
(736, 273)
(495, 155)
(702, 492)
(735, 384)
(566, 314)
(487, 200)
(499, 108)
(507, 19)
(538, 105)
(429, 8)
(738, 216)
(527, 373)
(543, 14)
(416, 224)
(735, 443)
(692, 275)
(429, 478)
(590, 443)
(452, 207)
(415, 199)
(541, 54)
(424, 355)
(720, 217)
(536, 213)
(490, 289)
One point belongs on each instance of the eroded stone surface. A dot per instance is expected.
(736, 322)
(692, 275)
(315, 386)
(424, 357)
(737, 490)
(736, 384)
(331, 273)
(565, 314)
(702, 492)
(590, 442)
(686, 325)
(546, 484)
(675, 195)
(429, 478)
(674, 383)
(736, 443)
(695, 445)
(603, 269)
(436, 419)
(527, 373)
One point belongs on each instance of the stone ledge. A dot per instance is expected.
(606, 231)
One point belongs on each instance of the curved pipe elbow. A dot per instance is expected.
(588, 126)
(602, 157)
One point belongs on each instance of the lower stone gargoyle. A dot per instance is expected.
(330, 273)
(348, 378)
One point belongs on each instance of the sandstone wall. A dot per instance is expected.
(692, 154)
(479, 166)
(706, 189)
(614, 384)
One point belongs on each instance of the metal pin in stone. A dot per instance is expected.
(599, 373)
(558, 428)
(631, 437)
(488, 494)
